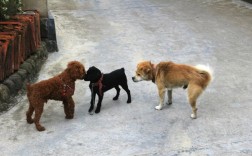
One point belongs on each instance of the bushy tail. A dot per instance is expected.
(206, 70)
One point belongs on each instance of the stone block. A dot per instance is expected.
(17, 79)
(11, 85)
(28, 67)
(4, 93)
(23, 73)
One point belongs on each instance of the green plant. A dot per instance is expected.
(9, 8)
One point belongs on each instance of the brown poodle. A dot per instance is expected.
(60, 87)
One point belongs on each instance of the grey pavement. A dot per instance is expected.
(111, 34)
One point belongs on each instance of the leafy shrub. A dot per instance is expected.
(9, 8)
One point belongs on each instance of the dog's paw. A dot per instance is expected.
(115, 98)
(169, 103)
(40, 128)
(129, 101)
(193, 116)
(69, 117)
(90, 109)
(30, 121)
(158, 107)
(97, 111)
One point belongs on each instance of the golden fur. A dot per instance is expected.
(171, 75)
(60, 87)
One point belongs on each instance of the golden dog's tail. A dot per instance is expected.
(207, 74)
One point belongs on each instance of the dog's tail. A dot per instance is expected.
(207, 73)
(205, 68)
(123, 73)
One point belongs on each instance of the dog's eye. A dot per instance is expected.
(138, 74)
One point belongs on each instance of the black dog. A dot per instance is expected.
(100, 83)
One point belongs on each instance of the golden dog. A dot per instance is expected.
(171, 75)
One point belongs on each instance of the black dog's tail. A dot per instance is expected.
(123, 71)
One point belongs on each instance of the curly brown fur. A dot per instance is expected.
(60, 88)
(171, 75)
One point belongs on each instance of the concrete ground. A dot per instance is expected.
(111, 34)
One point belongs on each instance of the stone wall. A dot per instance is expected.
(16, 83)
(250, 1)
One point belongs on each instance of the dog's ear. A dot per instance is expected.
(73, 68)
(70, 64)
(147, 70)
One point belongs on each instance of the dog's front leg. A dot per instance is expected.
(98, 108)
(161, 91)
(169, 94)
(69, 108)
(66, 110)
(92, 102)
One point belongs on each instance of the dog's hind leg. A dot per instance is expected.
(38, 113)
(194, 92)
(117, 93)
(169, 94)
(126, 88)
(29, 114)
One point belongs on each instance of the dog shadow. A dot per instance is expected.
(109, 104)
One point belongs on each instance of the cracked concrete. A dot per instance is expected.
(111, 34)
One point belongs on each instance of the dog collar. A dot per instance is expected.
(66, 90)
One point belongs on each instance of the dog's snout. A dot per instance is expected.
(83, 77)
(134, 79)
(86, 78)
